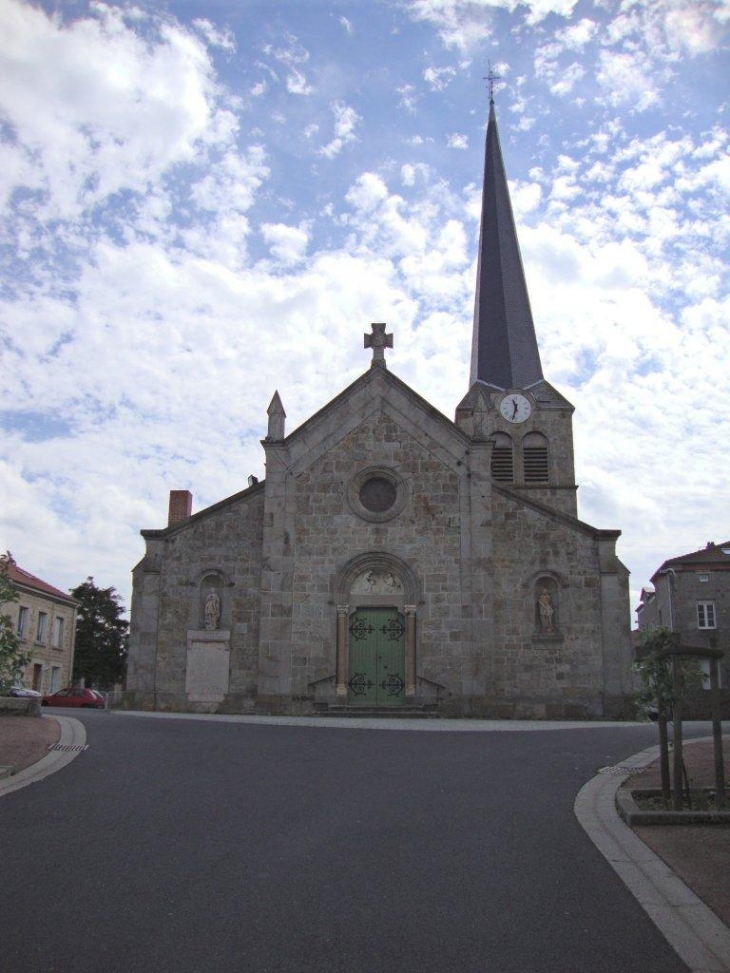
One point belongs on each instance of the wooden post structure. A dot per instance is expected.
(664, 754)
(717, 732)
(694, 652)
(677, 716)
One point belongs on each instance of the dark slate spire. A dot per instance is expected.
(504, 347)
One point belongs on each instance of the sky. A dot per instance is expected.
(206, 202)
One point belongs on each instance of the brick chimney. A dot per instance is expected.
(181, 506)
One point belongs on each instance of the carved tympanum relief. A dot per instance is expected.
(376, 582)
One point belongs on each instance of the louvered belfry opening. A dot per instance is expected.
(503, 467)
(535, 458)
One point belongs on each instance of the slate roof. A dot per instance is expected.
(504, 345)
(713, 557)
(21, 577)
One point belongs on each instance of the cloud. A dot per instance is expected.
(346, 120)
(130, 107)
(296, 84)
(634, 54)
(408, 97)
(466, 24)
(368, 192)
(568, 79)
(288, 244)
(411, 173)
(292, 54)
(213, 36)
(438, 79)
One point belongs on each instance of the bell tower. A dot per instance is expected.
(529, 422)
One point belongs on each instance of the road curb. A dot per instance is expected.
(73, 742)
(700, 938)
(633, 815)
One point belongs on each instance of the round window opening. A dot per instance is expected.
(378, 495)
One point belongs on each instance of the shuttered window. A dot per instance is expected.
(502, 459)
(535, 458)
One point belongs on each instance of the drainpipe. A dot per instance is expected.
(672, 579)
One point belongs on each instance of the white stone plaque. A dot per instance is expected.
(207, 676)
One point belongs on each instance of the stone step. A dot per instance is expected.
(425, 712)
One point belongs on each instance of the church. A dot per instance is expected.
(394, 561)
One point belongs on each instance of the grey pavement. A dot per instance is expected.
(242, 842)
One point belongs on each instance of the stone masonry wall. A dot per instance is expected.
(534, 673)
(329, 534)
(224, 542)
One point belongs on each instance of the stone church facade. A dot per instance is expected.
(394, 558)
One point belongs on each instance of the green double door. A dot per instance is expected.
(376, 673)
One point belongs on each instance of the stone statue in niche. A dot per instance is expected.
(377, 582)
(212, 612)
(546, 612)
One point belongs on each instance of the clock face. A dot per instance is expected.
(515, 407)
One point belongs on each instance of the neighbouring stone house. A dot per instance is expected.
(394, 557)
(690, 595)
(45, 620)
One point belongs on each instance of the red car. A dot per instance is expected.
(86, 698)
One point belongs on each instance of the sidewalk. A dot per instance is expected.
(698, 853)
(24, 740)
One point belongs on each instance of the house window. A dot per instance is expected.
(22, 622)
(502, 461)
(535, 458)
(55, 678)
(706, 614)
(42, 630)
(704, 578)
(57, 633)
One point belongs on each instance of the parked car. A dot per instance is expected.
(85, 698)
(24, 693)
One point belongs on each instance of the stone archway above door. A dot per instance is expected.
(377, 577)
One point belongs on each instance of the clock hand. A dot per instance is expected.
(514, 408)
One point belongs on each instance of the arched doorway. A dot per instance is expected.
(376, 631)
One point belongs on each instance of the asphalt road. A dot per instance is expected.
(179, 845)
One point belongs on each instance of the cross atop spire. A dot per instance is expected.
(491, 78)
(378, 341)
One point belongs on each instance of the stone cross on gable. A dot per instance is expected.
(378, 341)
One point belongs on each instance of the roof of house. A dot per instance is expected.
(19, 576)
(712, 556)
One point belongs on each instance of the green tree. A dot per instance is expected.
(656, 690)
(12, 658)
(101, 636)
(661, 691)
